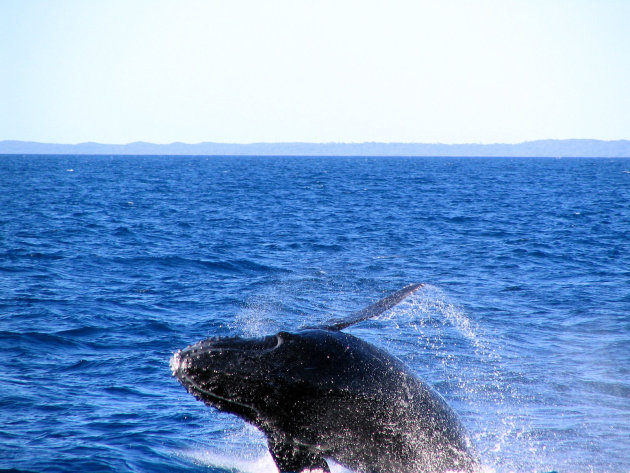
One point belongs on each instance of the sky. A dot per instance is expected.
(240, 71)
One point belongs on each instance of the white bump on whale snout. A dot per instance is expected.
(175, 362)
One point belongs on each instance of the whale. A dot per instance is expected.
(322, 394)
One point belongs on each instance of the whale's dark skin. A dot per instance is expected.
(320, 393)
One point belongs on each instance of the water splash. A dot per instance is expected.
(453, 353)
(257, 317)
(428, 304)
(450, 351)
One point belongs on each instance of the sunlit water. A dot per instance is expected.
(109, 264)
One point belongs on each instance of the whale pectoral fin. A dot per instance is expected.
(370, 311)
(292, 458)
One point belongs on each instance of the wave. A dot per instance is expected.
(235, 266)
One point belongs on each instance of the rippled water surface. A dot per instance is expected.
(109, 264)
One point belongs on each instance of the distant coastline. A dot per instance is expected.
(538, 148)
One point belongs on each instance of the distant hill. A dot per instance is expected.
(539, 148)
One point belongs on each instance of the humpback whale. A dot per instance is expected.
(320, 393)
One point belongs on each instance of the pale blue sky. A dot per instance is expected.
(452, 71)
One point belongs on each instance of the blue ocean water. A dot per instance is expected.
(109, 264)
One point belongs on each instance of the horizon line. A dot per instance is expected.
(577, 147)
(315, 143)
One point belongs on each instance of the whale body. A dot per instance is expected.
(321, 393)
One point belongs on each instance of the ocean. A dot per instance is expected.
(109, 264)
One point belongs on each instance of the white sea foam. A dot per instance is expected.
(240, 462)
(231, 462)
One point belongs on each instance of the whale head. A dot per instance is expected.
(231, 374)
(252, 377)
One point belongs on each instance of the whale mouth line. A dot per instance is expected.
(189, 382)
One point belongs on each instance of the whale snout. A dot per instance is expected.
(224, 354)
